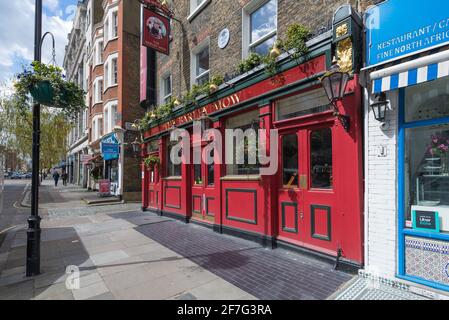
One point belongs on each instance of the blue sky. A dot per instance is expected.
(17, 33)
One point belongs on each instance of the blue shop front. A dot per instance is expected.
(110, 151)
(406, 77)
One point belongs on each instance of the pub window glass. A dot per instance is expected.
(321, 159)
(290, 160)
(210, 172)
(427, 172)
(197, 174)
(174, 170)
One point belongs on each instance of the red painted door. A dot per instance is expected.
(204, 200)
(154, 187)
(306, 213)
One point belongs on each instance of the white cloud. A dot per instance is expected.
(17, 35)
(52, 5)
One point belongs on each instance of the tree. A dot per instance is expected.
(17, 131)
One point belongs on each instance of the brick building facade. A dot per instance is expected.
(214, 16)
(113, 43)
(290, 208)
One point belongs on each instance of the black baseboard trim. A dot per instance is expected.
(217, 228)
(203, 224)
(343, 265)
(175, 216)
(264, 240)
(144, 209)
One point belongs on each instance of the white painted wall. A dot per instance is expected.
(381, 192)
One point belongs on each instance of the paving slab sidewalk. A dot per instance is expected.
(113, 260)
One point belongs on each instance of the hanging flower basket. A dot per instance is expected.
(43, 93)
(48, 86)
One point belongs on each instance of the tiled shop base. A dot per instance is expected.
(262, 272)
(367, 287)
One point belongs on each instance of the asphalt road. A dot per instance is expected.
(11, 214)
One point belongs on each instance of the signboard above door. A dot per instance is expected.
(399, 28)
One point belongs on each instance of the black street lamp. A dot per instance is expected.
(136, 147)
(334, 83)
(34, 229)
(379, 107)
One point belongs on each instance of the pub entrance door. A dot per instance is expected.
(203, 191)
(306, 193)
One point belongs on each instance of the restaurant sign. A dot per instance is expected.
(110, 148)
(399, 28)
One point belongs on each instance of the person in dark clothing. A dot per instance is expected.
(56, 177)
(64, 177)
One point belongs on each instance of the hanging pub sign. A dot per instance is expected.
(156, 31)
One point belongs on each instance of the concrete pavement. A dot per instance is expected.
(113, 260)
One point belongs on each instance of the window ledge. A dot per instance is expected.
(254, 177)
(198, 10)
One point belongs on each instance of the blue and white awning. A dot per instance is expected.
(411, 77)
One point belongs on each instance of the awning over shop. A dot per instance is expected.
(411, 73)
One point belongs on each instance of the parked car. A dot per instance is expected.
(15, 175)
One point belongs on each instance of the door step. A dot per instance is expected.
(103, 201)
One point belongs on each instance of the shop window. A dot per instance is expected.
(427, 172)
(321, 159)
(427, 101)
(290, 160)
(259, 26)
(173, 170)
(247, 121)
(311, 102)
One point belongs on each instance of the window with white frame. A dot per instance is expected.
(98, 90)
(106, 122)
(106, 31)
(99, 53)
(166, 89)
(259, 26)
(111, 70)
(111, 24)
(114, 78)
(196, 6)
(110, 116)
(114, 33)
(200, 63)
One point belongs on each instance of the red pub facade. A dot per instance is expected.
(314, 202)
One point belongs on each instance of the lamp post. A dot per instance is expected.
(34, 230)
(334, 83)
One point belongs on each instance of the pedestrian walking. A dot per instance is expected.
(64, 177)
(56, 177)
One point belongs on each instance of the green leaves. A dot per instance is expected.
(64, 95)
(152, 161)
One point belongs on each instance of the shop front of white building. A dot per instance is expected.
(407, 142)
